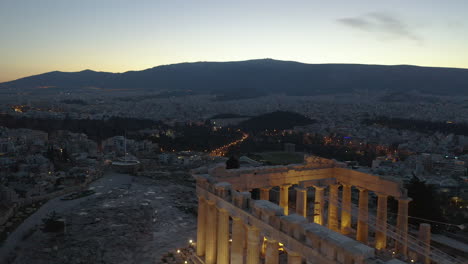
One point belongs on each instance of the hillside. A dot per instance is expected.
(278, 120)
(259, 77)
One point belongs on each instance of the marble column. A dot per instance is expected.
(402, 226)
(223, 237)
(201, 226)
(253, 245)
(346, 210)
(301, 201)
(425, 242)
(265, 193)
(333, 208)
(348, 259)
(238, 240)
(319, 205)
(294, 258)
(381, 230)
(363, 216)
(211, 230)
(284, 198)
(271, 252)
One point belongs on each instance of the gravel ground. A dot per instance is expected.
(136, 220)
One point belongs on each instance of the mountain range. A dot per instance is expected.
(259, 77)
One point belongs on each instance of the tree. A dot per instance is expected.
(232, 163)
(50, 153)
(426, 203)
(52, 223)
(65, 157)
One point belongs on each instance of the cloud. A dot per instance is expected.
(382, 24)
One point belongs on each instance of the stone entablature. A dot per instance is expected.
(310, 162)
(258, 177)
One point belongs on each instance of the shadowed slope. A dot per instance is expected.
(260, 77)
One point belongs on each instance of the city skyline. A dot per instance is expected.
(119, 36)
(233, 132)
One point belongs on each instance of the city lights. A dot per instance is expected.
(222, 151)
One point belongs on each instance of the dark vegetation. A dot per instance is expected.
(95, 129)
(278, 120)
(232, 163)
(60, 158)
(426, 204)
(196, 138)
(430, 206)
(184, 137)
(422, 126)
(57, 155)
(53, 223)
(309, 143)
(342, 153)
(266, 135)
(19, 220)
(223, 116)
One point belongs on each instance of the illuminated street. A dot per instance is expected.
(222, 151)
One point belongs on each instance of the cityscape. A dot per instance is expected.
(227, 159)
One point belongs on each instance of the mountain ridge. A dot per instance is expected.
(260, 77)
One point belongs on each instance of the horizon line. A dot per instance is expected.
(245, 60)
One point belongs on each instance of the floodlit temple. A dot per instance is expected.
(264, 215)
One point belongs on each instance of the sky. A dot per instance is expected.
(38, 36)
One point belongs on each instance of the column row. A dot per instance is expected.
(343, 225)
(246, 247)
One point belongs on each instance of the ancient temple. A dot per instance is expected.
(304, 213)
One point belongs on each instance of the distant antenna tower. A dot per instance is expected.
(358, 95)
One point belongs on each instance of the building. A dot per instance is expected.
(331, 229)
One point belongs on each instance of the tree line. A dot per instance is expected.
(422, 126)
(95, 129)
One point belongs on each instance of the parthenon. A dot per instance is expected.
(233, 227)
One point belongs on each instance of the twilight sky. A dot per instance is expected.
(38, 36)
